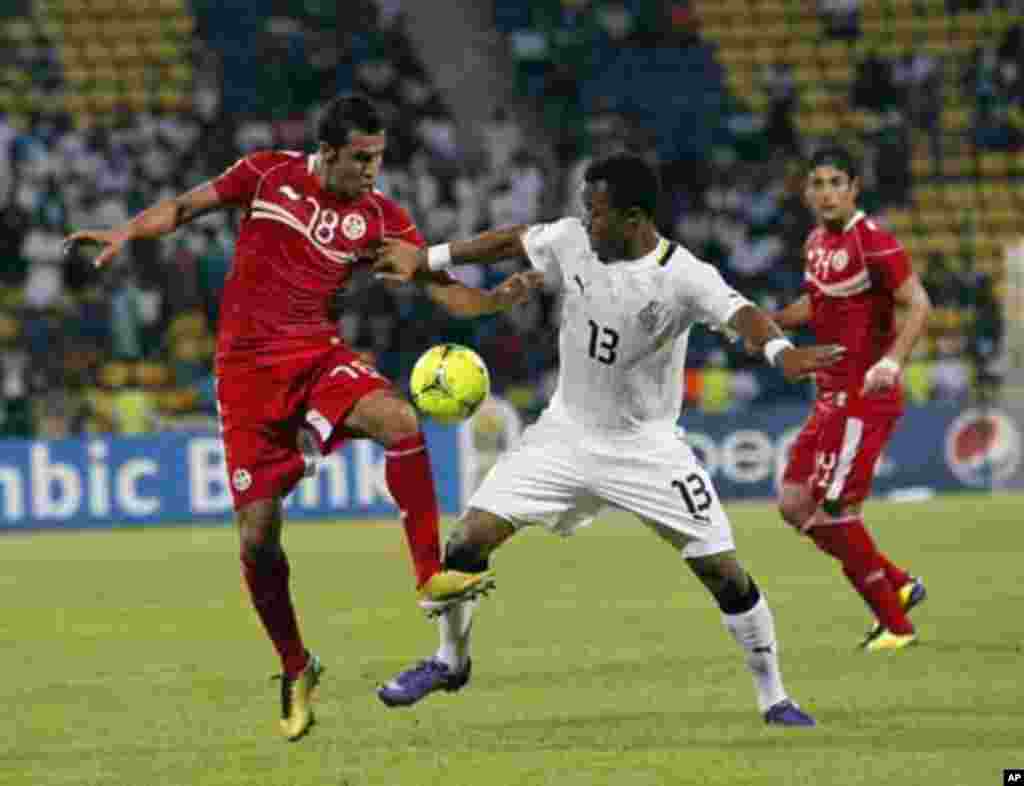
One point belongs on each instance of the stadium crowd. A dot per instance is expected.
(130, 350)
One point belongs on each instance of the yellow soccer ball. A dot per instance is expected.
(449, 383)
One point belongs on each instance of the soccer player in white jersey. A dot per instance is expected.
(609, 437)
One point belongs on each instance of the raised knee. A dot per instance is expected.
(397, 420)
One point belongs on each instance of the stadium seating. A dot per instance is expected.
(966, 202)
(109, 54)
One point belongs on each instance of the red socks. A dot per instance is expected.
(897, 576)
(867, 569)
(268, 588)
(407, 472)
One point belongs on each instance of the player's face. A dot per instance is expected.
(832, 194)
(352, 170)
(607, 226)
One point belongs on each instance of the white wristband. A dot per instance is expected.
(888, 363)
(774, 347)
(439, 257)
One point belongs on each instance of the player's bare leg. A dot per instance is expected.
(889, 591)
(389, 419)
(747, 617)
(468, 550)
(266, 571)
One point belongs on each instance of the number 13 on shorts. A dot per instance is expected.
(696, 493)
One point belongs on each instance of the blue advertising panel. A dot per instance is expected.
(108, 481)
(176, 477)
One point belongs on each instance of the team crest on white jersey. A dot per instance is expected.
(650, 315)
(353, 226)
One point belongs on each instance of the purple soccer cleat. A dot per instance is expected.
(787, 713)
(421, 680)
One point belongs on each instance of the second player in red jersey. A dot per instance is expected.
(856, 273)
(309, 220)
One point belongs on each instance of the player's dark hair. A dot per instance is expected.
(346, 113)
(838, 157)
(632, 181)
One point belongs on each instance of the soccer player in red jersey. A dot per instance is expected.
(309, 221)
(856, 273)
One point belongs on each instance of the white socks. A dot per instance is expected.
(754, 630)
(455, 626)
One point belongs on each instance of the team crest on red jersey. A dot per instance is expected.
(241, 479)
(353, 226)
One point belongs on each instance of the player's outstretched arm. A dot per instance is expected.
(913, 297)
(796, 314)
(398, 260)
(761, 334)
(160, 219)
(466, 302)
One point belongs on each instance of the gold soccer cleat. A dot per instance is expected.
(297, 700)
(912, 594)
(448, 587)
(890, 641)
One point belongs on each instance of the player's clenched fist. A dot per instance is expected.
(517, 289)
(112, 241)
(397, 260)
(883, 375)
(798, 362)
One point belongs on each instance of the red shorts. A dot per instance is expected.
(837, 450)
(264, 404)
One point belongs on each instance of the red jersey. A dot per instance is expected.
(297, 245)
(851, 276)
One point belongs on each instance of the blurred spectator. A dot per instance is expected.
(841, 17)
(15, 409)
(951, 375)
(873, 87)
(517, 192)
(502, 137)
(780, 87)
(892, 159)
(917, 376)
(126, 318)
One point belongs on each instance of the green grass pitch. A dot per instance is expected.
(131, 658)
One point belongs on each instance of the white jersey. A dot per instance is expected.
(624, 329)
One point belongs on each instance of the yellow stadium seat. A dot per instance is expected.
(962, 195)
(899, 221)
(806, 29)
(957, 166)
(933, 220)
(873, 28)
(182, 25)
(765, 54)
(928, 195)
(922, 166)
(994, 164)
(891, 49)
(152, 375)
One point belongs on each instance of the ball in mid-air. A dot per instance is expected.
(449, 382)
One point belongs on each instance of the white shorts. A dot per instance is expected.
(561, 478)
